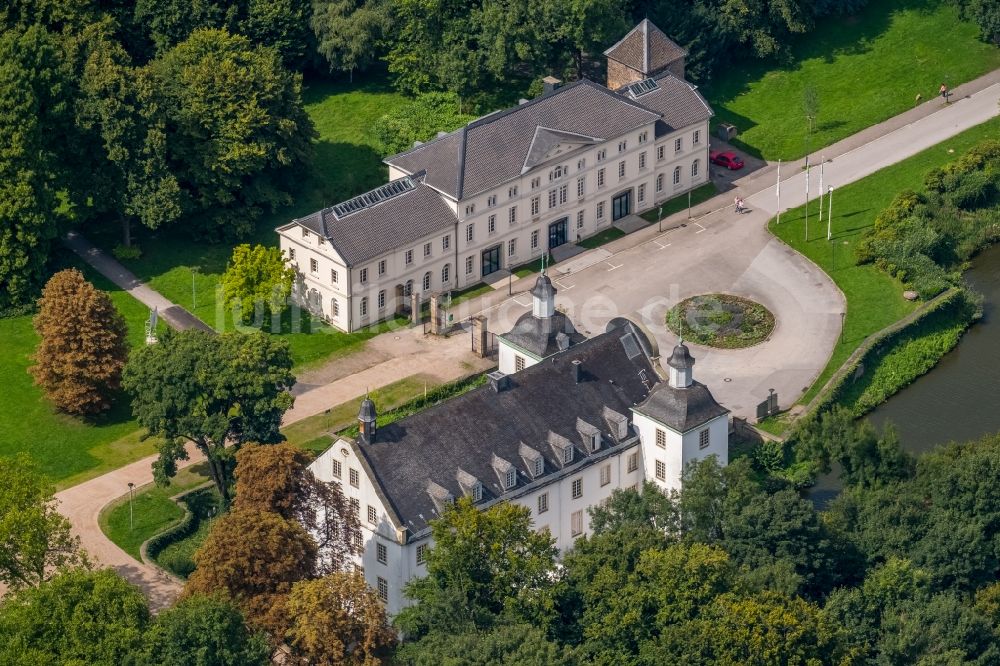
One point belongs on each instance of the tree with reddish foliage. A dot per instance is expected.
(83, 346)
(276, 478)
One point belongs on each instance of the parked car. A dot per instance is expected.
(728, 159)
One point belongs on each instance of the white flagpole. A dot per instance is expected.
(778, 192)
(807, 198)
(829, 215)
(822, 166)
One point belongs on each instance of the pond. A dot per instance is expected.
(959, 399)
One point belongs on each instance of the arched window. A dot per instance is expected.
(427, 281)
(677, 175)
(694, 168)
(445, 274)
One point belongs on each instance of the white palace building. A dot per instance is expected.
(573, 420)
(508, 187)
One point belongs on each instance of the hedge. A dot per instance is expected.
(186, 527)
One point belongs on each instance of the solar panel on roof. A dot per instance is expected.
(640, 88)
(378, 195)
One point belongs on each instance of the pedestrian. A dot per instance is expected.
(944, 92)
(738, 204)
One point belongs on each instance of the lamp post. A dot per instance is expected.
(822, 165)
(829, 213)
(777, 192)
(659, 220)
(689, 204)
(807, 198)
(131, 487)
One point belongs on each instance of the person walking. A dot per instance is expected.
(943, 90)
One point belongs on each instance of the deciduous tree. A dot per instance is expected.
(83, 346)
(349, 32)
(419, 120)
(219, 392)
(77, 617)
(254, 558)
(277, 478)
(35, 539)
(339, 619)
(201, 631)
(257, 282)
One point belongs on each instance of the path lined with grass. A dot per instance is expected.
(874, 300)
(864, 69)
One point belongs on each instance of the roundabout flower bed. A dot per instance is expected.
(721, 320)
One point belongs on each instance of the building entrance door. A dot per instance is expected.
(557, 233)
(491, 260)
(621, 205)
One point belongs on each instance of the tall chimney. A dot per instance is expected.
(577, 370)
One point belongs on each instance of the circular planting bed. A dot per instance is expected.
(721, 320)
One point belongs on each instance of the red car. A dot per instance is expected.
(728, 159)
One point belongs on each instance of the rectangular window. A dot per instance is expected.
(633, 462)
(372, 515)
(552, 198)
(469, 232)
(291, 253)
(642, 160)
(579, 219)
(641, 196)
(678, 144)
(539, 463)
(621, 169)
(563, 193)
(491, 224)
(409, 257)
(622, 145)
(382, 553)
(305, 232)
(491, 200)
(535, 182)
(576, 523)
(581, 164)
(427, 249)
(543, 503)
(535, 205)
(364, 306)
(703, 439)
(567, 455)
(445, 242)
(336, 308)
(577, 487)
(359, 544)
(643, 136)
(606, 475)
(659, 182)
(337, 469)
(470, 209)
(600, 177)
(600, 210)
(422, 553)
(661, 470)
(356, 506)
(383, 589)
(354, 477)
(581, 186)
(381, 299)
(511, 247)
(468, 265)
(334, 276)
(659, 152)
(518, 363)
(512, 192)
(381, 267)
(363, 275)
(534, 240)
(696, 137)
(661, 438)
(601, 154)
(512, 215)
(511, 479)
(313, 266)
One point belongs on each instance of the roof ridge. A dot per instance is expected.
(460, 186)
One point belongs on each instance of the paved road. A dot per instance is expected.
(176, 317)
(643, 274)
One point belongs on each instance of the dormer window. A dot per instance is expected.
(561, 447)
(511, 479)
(617, 422)
(477, 492)
(506, 473)
(539, 466)
(589, 434)
(533, 460)
(440, 496)
(567, 455)
(470, 485)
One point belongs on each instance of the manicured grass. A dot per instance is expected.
(152, 511)
(677, 204)
(178, 557)
(313, 433)
(470, 293)
(721, 320)
(864, 69)
(874, 300)
(531, 267)
(601, 238)
(66, 448)
(188, 271)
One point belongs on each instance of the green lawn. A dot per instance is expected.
(677, 204)
(864, 69)
(187, 271)
(874, 300)
(67, 449)
(601, 238)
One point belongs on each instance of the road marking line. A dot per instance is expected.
(662, 247)
(613, 267)
(698, 224)
(523, 305)
(564, 287)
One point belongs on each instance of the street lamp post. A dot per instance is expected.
(689, 204)
(659, 220)
(131, 486)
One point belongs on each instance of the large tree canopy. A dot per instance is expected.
(218, 391)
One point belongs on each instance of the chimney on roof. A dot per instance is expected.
(577, 370)
(499, 381)
(550, 83)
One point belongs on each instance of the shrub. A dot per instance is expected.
(127, 251)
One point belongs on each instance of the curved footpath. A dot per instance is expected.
(643, 273)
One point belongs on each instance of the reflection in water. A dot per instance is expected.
(959, 399)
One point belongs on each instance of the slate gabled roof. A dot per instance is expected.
(646, 49)
(468, 431)
(493, 149)
(537, 335)
(383, 227)
(678, 102)
(682, 409)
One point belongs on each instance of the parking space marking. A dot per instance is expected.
(523, 305)
(563, 286)
(661, 246)
(700, 228)
(613, 267)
